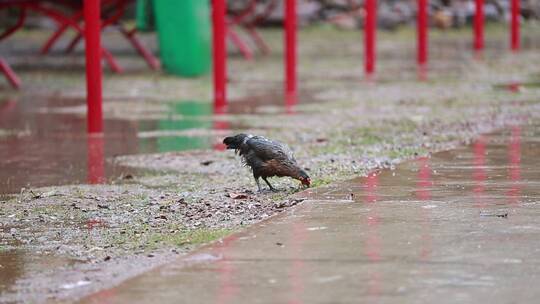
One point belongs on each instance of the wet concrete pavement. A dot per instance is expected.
(460, 226)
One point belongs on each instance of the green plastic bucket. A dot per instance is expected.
(184, 36)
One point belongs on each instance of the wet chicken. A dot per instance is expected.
(266, 158)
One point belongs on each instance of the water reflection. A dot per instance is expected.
(422, 72)
(40, 145)
(479, 171)
(423, 193)
(373, 242)
(12, 264)
(514, 168)
(192, 113)
(220, 125)
(297, 269)
(19, 264)
(228, 290)
(96, 160)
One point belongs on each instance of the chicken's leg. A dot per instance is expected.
(257, 181)
(268, 183)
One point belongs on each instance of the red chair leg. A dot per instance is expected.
(242, 46)
(54, 37)
(111, 61)
(10, 75)
(71, 46)
(150, 59)
(14, 28)
(265, 49)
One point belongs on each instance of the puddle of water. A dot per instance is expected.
(18, 264)
(489, 174)
(41, 145)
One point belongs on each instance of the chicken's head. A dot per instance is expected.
(304, 178)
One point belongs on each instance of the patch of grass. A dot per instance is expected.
(321, 182)
(187, 237)
(146, 239)
(366, 136)
(407, 153)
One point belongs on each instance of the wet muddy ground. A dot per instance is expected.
(159, 183)
(459, 225)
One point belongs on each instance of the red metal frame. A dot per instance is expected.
(16, 26)
(61, 29)
(117, 9)
(4, 66)
(240, 44)
(150, 59)
(59, 17)
(250, 26)
(10, 75)
(249, 18)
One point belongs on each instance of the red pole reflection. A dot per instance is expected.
(479, 173)
(96, 161)
(219, 125)
(373, 241)
(424, 180)
(423, 193)
(6, 109)
(228, 289)
(296, 278)
(514, 158)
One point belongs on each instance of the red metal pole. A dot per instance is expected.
(422, 29)
(369, 36)
(290, 53)
(479, 26)
(514, 36)
(219, 52)
(92, 21)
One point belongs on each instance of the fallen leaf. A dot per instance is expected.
(236, 195)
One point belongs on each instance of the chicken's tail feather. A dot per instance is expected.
(235, 142)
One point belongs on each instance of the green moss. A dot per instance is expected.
(321, 182)
(187, 237)
(407, 153)
(144, 237)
